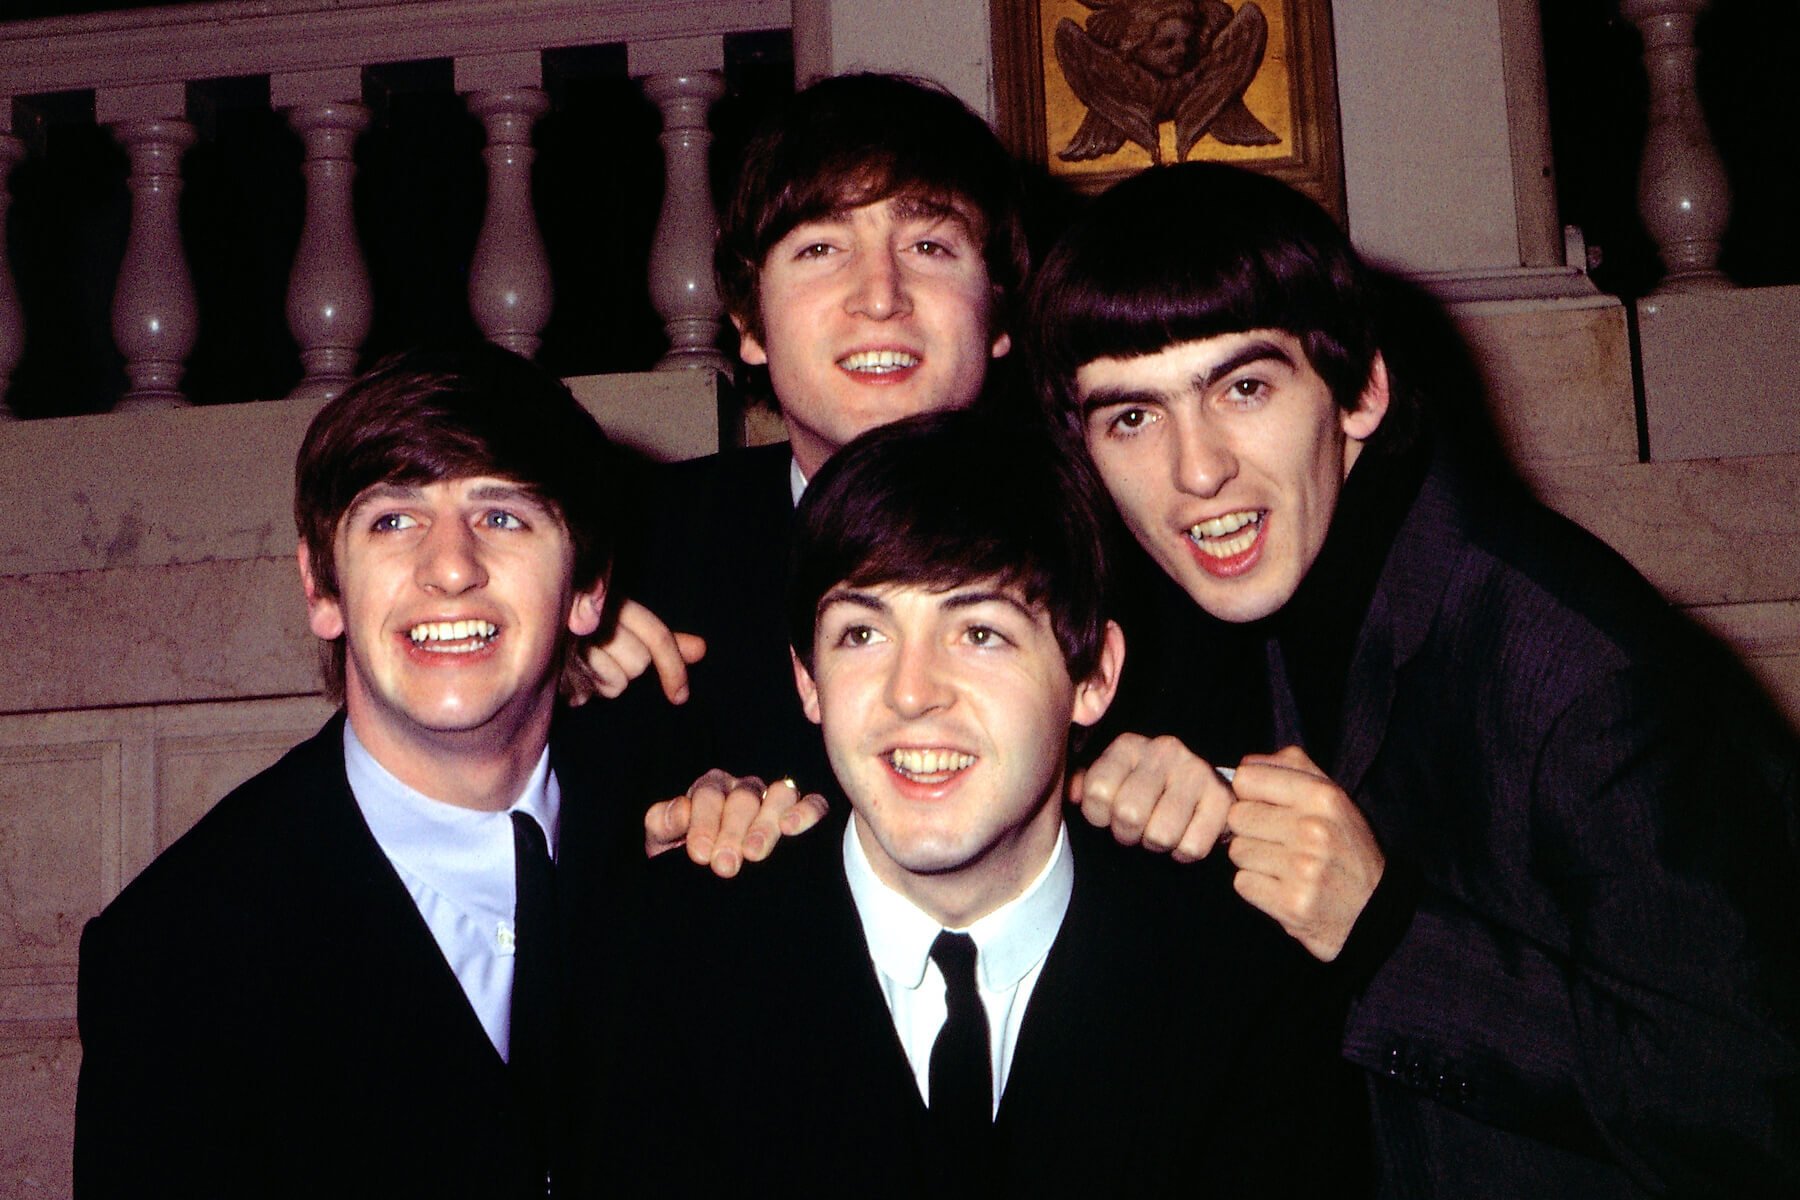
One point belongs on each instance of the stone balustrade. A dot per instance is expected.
(138, 64)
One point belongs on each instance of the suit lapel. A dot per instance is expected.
(1399, 618)
(397, 986)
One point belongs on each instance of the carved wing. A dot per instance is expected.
(1237, 126)
(1224, 72)
(1096, 138)
(1115, 89)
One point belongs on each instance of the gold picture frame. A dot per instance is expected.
(1255, 88)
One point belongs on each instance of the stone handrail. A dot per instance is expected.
(138, 65)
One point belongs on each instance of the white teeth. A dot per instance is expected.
(1207, 534)
(930, 766)
(452, 637)
(878, 361)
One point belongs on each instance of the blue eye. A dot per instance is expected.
(502, 520)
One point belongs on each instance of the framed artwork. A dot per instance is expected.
(1097, 89)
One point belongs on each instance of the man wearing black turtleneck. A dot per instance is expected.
(1540, 825)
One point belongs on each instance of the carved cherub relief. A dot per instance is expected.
(1140, 63)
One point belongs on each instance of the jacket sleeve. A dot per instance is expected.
(1634, 994)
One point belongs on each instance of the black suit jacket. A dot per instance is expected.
(1176, 1042)
(1581, 966)
(264, 1011)
(712, 560)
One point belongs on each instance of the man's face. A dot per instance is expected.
(946, 717)
(1226, 457)
(870, 315)
(453, 601)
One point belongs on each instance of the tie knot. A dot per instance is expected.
(528, 836)
(954, 953)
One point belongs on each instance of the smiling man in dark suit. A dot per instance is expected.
(961, 995)
(870, 258)
(346, 980)
(1543, 828)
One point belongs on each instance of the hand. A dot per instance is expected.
(726, 821)
(1156, 793)
(1304, 853)
(641, 640)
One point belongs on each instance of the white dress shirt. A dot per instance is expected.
(1011, 944)
(457, 863)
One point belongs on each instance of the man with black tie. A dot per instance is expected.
(1542, 828)
(961, 995)
(346, 980)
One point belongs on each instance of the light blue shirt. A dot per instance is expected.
(457, 864)
(1011, 944)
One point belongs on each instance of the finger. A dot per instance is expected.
(692, 647)
(707, 806)
(742, 804)
(1192, 791)
(1207, 827)
(1281, 785)
(608, 677)
(1105, 775)
(659, 648)
(665, 826)
(808, 811)
(778, 799)
(1291, 757)
(1076, 783)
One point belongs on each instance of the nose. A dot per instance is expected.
(450, 559)
(1204, 461)
(878, 289)
(916, 684)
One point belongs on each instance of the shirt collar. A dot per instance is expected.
(796, 481)
(453, 850)
(1012, 939)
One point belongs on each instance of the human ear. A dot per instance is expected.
(750, 347)
(1094, 695)
(324, 615)
(809, 691)
(585, 610)
(1361, 422)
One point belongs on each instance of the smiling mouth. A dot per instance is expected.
(1227, 536)
(920, 765)
(452, 637)
(878, 362)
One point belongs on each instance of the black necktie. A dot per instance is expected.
(535, 1005)
(962, 1086)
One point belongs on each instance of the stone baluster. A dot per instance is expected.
(154, 316)
(329, 303)
(683, 77)
(509, 279)
(1682, 192)
(12, 317)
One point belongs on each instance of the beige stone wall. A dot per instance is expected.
(1712, 519)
